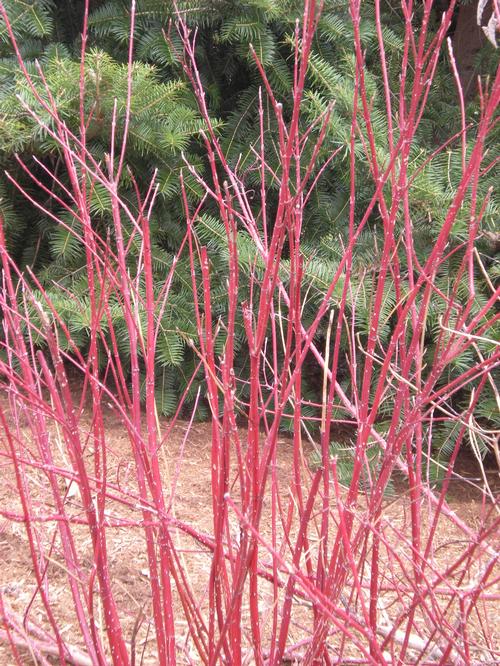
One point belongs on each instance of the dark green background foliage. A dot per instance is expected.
(165, 126)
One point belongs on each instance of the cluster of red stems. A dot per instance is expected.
(328, 552)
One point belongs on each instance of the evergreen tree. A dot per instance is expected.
(166, 125)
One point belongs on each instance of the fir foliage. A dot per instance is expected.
(165, 128)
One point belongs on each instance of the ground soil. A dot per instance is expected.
(193, 505)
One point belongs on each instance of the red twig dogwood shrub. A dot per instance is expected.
(331, 574)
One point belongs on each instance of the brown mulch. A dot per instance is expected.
(192, 504)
